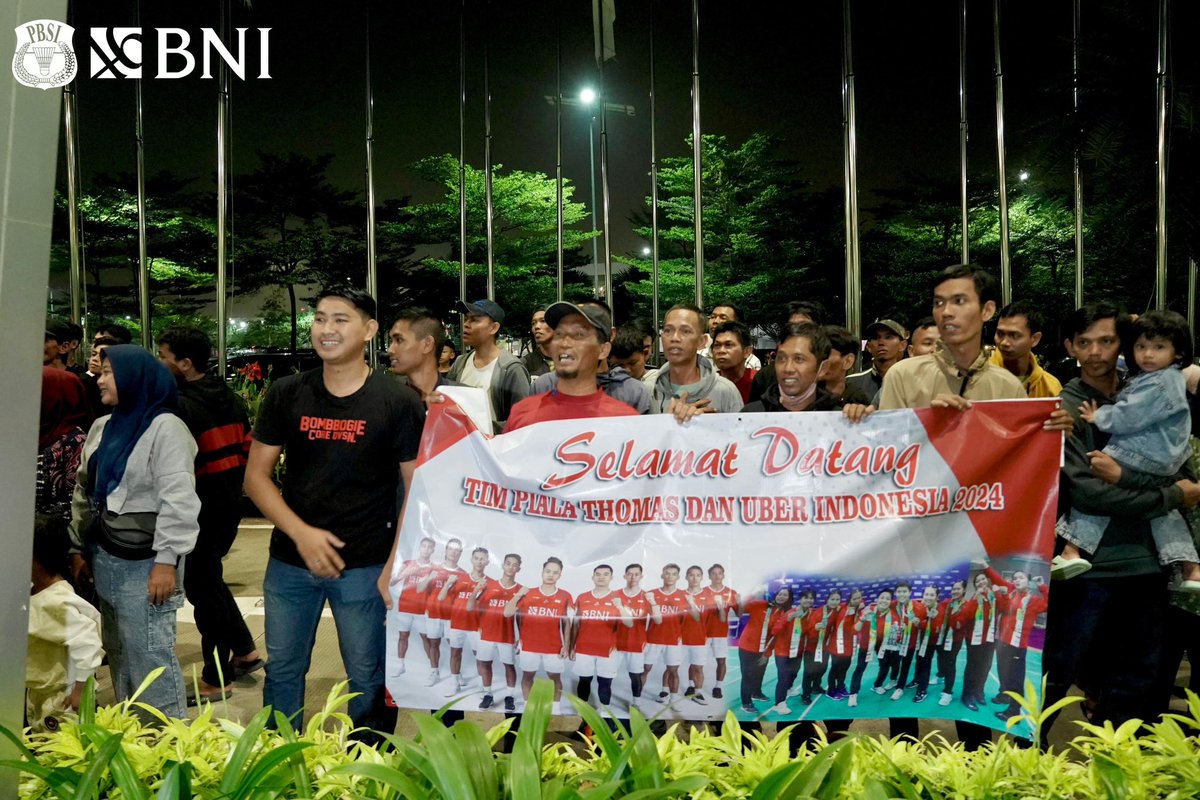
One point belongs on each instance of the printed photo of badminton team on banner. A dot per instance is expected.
(799, 567)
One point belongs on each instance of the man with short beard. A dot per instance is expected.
(886, 340)
(1017, 333)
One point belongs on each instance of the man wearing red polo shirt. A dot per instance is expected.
(464, 620)
(437, 610)
(725, 605)
(599, 614)
(544, 619)
(410, 608)
(631, 641)
(497, 636)
(693, 633)
(663, 638)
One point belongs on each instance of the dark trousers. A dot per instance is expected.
(889, 667)
(1116, 625)
(753, 668)
(979, 661)
(860, 667)
(814, 671)
(924, 667)
(1010, 663)
(906, 662)
(223, 632)
(948, 665)
(786, 670)
(1184, 638)
(839, 666)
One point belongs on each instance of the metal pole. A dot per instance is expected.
(222, 192)
(1192, 295)
(558, 173)
(653, 188)
(608, 298)
(1005, 264)
(372, 266)
(1160, 249)
(462, 151)
(1078, 167)
(143, 258)
(853, 282)
(962, 129)
(70, 125)
(487, 157)
(595, 239)
(696, 169)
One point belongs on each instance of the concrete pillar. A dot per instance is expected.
(29, 123)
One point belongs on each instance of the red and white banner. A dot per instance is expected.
(783, 566)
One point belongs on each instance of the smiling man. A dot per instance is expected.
(580, 343)
(350, 435)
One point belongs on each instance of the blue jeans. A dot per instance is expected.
(138, 637)
(294, 599)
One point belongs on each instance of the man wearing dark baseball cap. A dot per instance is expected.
(581, 341)
(616, 382)
(886, 340)
(56, 349)
(486, 366)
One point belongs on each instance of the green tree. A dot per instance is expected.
(769, 235)
(301, 229)
(525, 238)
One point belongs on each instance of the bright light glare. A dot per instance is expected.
(1024, 175)
(645, 251)
(587, 96)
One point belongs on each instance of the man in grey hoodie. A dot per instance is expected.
(486, 366)
(687, 377)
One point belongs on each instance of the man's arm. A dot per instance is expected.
(1144, 403)
(1091, 495)
(318, 547)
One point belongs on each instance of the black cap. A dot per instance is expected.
(593, 314)
(487, 308)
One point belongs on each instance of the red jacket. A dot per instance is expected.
(1010, 607)
(976, 619)
(754, 636)
(841, 638)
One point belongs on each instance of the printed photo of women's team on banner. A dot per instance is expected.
(801, 568)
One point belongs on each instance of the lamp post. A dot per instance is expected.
(588, 96)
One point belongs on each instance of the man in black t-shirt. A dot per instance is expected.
(350, 436)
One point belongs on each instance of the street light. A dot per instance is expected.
(1023, 175)
(587, 97)
(645, 251)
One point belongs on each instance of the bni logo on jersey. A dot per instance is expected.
(44, 57)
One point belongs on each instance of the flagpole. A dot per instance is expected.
(143, 258)
(853, 283)
(1078, 167)
(608, 298)
(487, 153)
(1160, 249)
(372, 264)
(70, 124)
(462, 151)
(1005, 264)
(558, 173)
(962, 128)
(696, 167)
(1192, 295)
(222, 192)
(653, 187)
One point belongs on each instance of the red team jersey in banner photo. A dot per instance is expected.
(493, 625)
(461, 618)
(437, 608)
(412, 601)
(541, 621)
(716, 622)
(633, 639)
(694, 632)
(672, 607)
(598, 623)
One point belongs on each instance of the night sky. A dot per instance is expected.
(772, 67)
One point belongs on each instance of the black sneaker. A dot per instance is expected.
(759, 696)
(486, 702)
(717, 693)
(691, 690)
(663, 696)
(510, 704)
(919, 696)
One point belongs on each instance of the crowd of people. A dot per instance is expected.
(145, 472)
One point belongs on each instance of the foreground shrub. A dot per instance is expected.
(109, 752)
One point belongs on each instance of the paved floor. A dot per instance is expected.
(244, 568)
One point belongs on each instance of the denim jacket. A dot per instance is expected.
(1150, 423)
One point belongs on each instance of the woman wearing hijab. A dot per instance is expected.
(134, 513)
(62, 429)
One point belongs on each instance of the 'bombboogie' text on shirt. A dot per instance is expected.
(336, 430)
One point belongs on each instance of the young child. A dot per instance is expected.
(1150, 426)
(64, 632)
